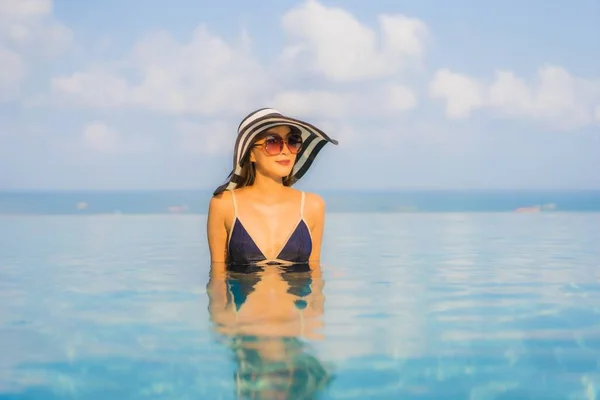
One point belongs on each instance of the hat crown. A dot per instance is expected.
(254, 115)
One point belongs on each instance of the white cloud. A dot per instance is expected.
(204, 76)
(400, 98)
(208, 76)
(557, 99)
(215, 137)
(339, 129)
(11, 72)
(18, 18)
(332, 42)
(99, 137)
(598, 114)
(94, 88)
(28, 33)
(319, 103)
(369, 102)
(461, 93)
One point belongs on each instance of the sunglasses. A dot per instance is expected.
(273, 144)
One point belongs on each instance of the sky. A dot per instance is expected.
(420, 95)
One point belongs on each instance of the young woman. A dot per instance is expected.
(256, 217)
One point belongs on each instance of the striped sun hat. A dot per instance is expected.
(313, 140)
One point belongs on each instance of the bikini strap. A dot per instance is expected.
(234, 204)
(302, 206)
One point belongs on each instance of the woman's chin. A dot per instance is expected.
(283, 171)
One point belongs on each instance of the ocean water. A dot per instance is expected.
(419, 305)
(196, 201)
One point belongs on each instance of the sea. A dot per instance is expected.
(475, 295)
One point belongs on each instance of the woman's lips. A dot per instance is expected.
(284, 162)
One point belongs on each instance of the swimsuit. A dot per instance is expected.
(243, 255)
(242, 250)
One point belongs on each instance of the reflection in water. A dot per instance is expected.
(263, 315)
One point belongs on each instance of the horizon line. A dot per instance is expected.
(322, 190)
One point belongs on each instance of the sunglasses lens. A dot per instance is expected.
(273, 145)
(294, 143)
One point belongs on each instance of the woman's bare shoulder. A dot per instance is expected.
(314, 203)
(221, 203)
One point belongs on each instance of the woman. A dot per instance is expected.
(256, 217)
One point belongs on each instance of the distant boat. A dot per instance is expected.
(537, 208)
(178, 209)
(528, 209)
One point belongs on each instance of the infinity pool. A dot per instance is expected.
(421, 306)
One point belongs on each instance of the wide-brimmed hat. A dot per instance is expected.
(313, 140)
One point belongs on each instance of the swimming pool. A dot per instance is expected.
(421, 306)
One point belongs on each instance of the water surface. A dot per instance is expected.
(420, 306)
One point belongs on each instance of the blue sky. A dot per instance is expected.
(449, 95)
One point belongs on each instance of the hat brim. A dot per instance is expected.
(314, 139)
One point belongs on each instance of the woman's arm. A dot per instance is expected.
(216, 228)
(315, 213)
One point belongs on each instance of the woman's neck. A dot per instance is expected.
(268, 187)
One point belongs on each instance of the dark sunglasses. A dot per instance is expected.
(273, 144)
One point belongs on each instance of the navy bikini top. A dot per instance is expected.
(242, 250)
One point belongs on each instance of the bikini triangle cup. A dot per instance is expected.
(243, 250)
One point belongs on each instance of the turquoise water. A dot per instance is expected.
(409, 305)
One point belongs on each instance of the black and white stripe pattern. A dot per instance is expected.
(265, 118)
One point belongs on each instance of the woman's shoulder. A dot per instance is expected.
(221, 203)
(313, 203)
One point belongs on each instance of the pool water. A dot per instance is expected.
(421, 306)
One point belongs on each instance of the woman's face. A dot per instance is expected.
(274, 154)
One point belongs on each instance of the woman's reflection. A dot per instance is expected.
(263, 313)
